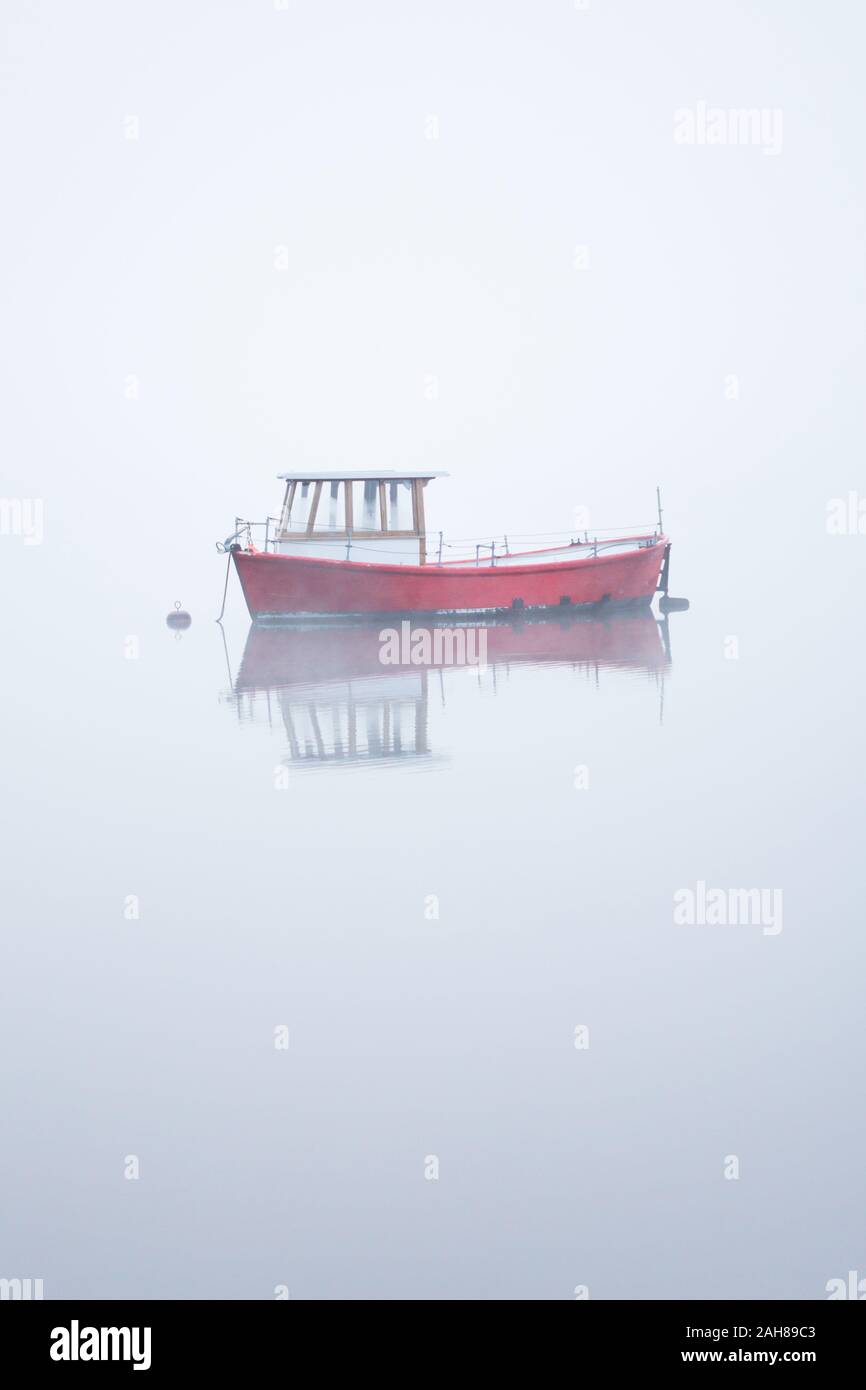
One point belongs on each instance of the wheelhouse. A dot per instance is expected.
(354, 516)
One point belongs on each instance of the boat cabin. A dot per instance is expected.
(355, 516)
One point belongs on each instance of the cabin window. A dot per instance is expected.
(370, 515)
(331, 515)
(400, 505)
(301, 502)
(367, 517)
(374, 506)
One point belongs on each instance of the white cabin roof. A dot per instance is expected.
(361, 475)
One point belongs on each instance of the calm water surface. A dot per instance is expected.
(432, 878)
(236, 244)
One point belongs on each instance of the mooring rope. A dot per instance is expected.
(226, 588)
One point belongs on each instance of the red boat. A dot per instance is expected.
(350, 545)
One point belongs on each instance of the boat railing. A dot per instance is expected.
(474, 550)
(263, 532)
(470, 550)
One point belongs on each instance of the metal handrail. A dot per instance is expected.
(246, 528)
(268, 538)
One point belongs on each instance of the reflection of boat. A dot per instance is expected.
(356, 545)
(340, 703)
(275, 656)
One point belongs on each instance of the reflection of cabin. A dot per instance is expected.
(366, 720)
(340, 516)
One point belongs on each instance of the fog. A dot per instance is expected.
(239, 239)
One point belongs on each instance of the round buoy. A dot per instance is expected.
(179, 619)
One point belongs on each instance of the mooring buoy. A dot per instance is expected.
(179, 619)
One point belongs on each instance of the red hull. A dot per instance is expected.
(285, 586)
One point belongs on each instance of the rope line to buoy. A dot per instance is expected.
(226, 650)
(226, 589)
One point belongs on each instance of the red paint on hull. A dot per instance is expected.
(289, 586)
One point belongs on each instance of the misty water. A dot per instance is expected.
(509, 1072)
(241, 240)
